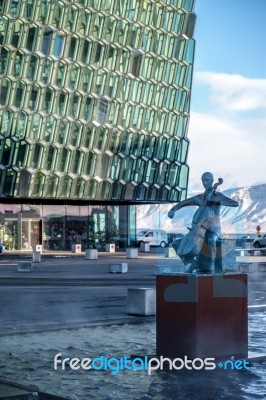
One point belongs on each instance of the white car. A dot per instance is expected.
(154, 237)
(260, 242)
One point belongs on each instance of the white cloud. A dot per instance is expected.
(234, 92)
(230, 149)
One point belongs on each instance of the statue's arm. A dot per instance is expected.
(192, 201)
(226, 201)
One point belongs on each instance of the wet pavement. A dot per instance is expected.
(74, 306)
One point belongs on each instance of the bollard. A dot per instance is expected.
(118, 268)
(141, 301)
(24, 266)
(91, 254)
(131, 253)
(36, 257)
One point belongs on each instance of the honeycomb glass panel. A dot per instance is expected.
(36, 156)
(21, 120)
(3, 28)
(29, 9)
(51, 186)
(96, 89)
(150, 171)
(17, 34)
(115, 168)
(90, 163)
(32, 67)
(6, 117)
(50, 158)
(62, 132)
(138, 171)
(36, 125)
(21, 153)
(4, 56)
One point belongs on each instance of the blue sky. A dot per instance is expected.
(227, 128)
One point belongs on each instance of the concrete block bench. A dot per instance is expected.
(24, 266)
(170, 252)
(248, 267)
(118, 268)
(248, 252)
(141, 301)
(131, 253)
(36, 257)
(91, 254)
(145, 247)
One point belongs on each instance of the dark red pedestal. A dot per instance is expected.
(202, 315)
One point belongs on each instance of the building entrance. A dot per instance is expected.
(31, 233)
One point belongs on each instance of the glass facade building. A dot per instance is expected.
(94, 109)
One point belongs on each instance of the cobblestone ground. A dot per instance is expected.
(28, 359)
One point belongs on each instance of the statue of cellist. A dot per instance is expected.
(201, 246)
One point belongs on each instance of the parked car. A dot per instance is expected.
(154, 237)
(260, 242)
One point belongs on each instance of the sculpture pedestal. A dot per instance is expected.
(202, 316)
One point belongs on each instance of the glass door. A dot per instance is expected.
(31, 233)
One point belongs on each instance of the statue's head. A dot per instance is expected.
(207, 180)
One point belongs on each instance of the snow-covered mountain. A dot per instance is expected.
(243, 219)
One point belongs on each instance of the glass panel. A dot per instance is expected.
(126, 170)
(88, 108)
(90, 164)
(17, 34)
(75, 135)
(63, 160)
(115, 168)
(4, 55)
(34, 97)
(74, 105)
(32, 67)
(88, 136)
(125, 143)
(48, 100)
(9, 183)
(46, 70)
(29, 8)
(47, 40)
(86, 79)
(48, 129)
(60, 73)
(17, 65)
(84, 22)
(58, 45)
(19, 94)
(37, 187)
(148, 146)
(137, 143)
(65, 187)
(138, 170)
(21, 154)
(62, 132)
(36, 156)
(51, 186)
(6, 122)
(50, 159)
(3, 27)
(150, 171)
(32, 33)
(36, 125)
(7, 152)
(73, 74)
(77, 160)
(21, 121)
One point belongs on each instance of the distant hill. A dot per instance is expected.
(243, 219)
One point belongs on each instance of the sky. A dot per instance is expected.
(227, 129)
